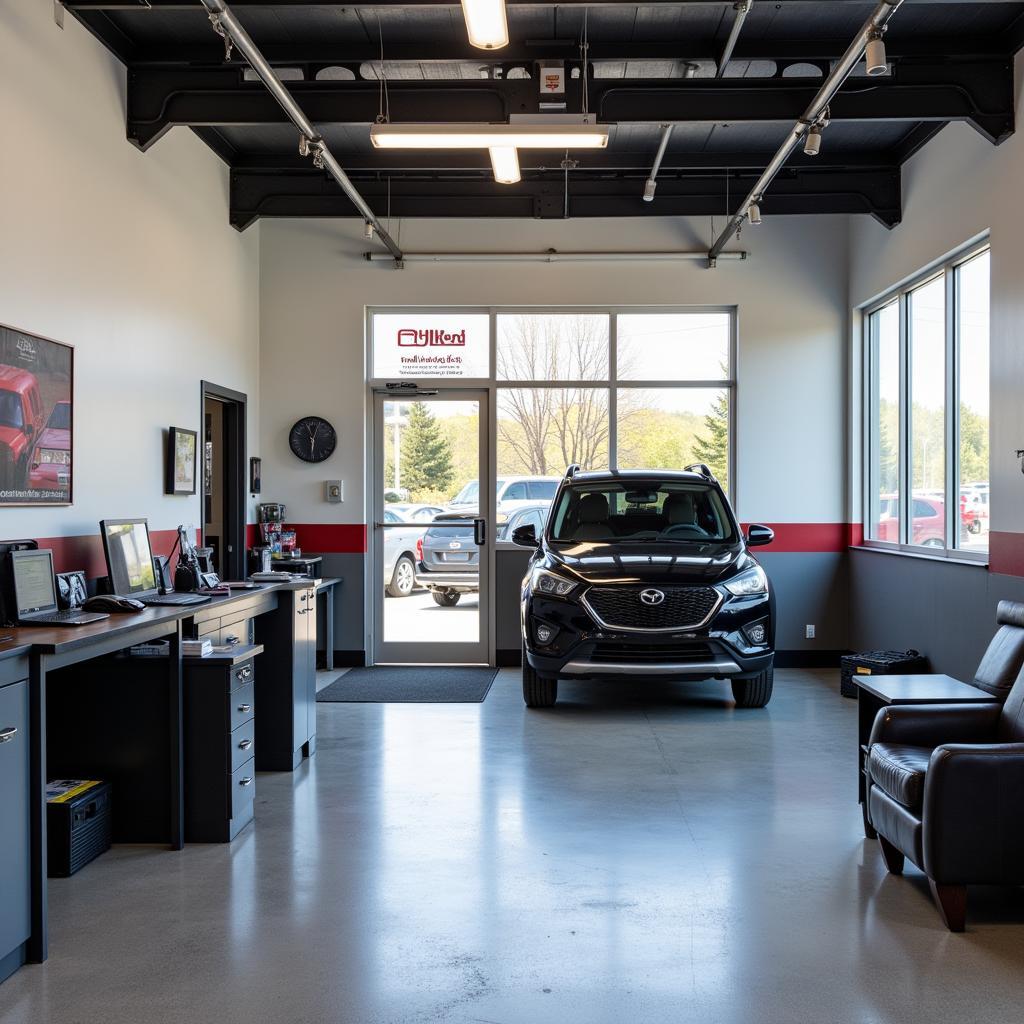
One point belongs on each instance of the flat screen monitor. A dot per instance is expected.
(33, 581)
(129, 556)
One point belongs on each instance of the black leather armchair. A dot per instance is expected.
(1004, 657)
(948, 792)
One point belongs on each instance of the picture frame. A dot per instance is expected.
(37, 385)
(255, 474)
(182, 451)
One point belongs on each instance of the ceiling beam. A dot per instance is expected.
(978, 92)
(186, 5)
(269, 193)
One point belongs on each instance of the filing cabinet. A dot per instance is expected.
(15, 826)
(220, 744)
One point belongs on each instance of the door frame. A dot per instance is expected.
(374, 507)
(235, 482)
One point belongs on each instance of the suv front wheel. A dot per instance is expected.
(755, 691)
(537, 692)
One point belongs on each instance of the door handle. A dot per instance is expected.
(8, 734)
(479, 532)
(245, 744)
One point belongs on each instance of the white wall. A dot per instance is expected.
(792, 301)
(127, 256)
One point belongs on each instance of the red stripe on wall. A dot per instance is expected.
(86, 552)
(1006, 553)
(811, 537)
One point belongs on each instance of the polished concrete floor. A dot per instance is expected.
(629, 857)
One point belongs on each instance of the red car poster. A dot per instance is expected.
(36, 393)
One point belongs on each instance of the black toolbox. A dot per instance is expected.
(77, 824)
(878, 663)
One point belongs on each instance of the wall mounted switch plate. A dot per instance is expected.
(334, 491)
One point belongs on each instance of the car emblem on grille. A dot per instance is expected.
(651, 597)
(455, 545)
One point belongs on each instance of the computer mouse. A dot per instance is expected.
(112, 603)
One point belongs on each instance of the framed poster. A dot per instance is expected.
(181, 461)
(36, 399)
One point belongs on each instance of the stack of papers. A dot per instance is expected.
(196, 648)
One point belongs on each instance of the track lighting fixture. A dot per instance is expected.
(367, 231)
(812, 140)
(754, 214)
(649, 186)
(874, 55)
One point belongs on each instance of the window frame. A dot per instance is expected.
(612, 385)
(946, 269)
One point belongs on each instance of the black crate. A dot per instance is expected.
(878, 663)
(78, 824)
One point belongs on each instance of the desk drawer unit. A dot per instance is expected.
(15, 878)
(220, 745)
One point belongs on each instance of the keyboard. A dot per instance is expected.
(67, 617)
(177, 599)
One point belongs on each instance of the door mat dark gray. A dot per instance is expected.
(410, 684)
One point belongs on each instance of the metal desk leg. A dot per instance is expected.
(328, 593)
(38, 943)
(175, 690)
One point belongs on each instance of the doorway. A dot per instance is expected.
(432, 556)
(223, 478)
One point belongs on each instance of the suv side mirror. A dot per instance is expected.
(525, 536)
(758, 536)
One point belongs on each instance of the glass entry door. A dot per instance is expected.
(431, 522)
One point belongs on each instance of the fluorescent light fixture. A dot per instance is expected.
(505, 164)
(489, 136)
(486, 23)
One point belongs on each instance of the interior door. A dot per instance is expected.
(431, 519)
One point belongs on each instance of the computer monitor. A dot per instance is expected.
(129, 556)
(34, 589)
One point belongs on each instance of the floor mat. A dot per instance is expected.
(410, 684)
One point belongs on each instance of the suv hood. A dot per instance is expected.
(651, 562)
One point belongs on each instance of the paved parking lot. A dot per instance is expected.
(416, 619)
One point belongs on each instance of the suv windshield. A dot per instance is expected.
(640, 510)
(11, 414)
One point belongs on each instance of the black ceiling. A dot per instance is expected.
(649, 64)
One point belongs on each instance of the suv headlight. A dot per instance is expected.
(749, 583)
(551, 584)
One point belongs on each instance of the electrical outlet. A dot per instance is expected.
(809, 631)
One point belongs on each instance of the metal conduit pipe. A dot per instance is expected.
(875, 24)
(227, 24)
(552, 256)
(742, 9)
(651, 184)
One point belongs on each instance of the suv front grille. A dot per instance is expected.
(683, 607)
(656, 654)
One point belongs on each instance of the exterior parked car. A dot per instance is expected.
(21, 422)
(416, 513)
(449, 560)
(50, 468)
(508, 488)
(928, 521)
(400, 556)
(645, 573)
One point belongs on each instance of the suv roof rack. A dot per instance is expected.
(571, 471)
(703, 469)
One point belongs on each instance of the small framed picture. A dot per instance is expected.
(255, 474)
(181, 461)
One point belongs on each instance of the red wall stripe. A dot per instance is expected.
(1006, 553)
(86, 552)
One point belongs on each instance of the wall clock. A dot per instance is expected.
(312, 439)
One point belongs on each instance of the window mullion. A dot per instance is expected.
(905, 461)
(951, 419)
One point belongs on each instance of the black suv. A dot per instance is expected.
(645, 573)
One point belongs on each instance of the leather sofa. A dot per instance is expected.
(948, 792)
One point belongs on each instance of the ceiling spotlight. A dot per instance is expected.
(690, 69)
(874, 55)
(486, 23)
(754, 213)
(367, 231)
(812, 140)
(649, 186)
(505, 164)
